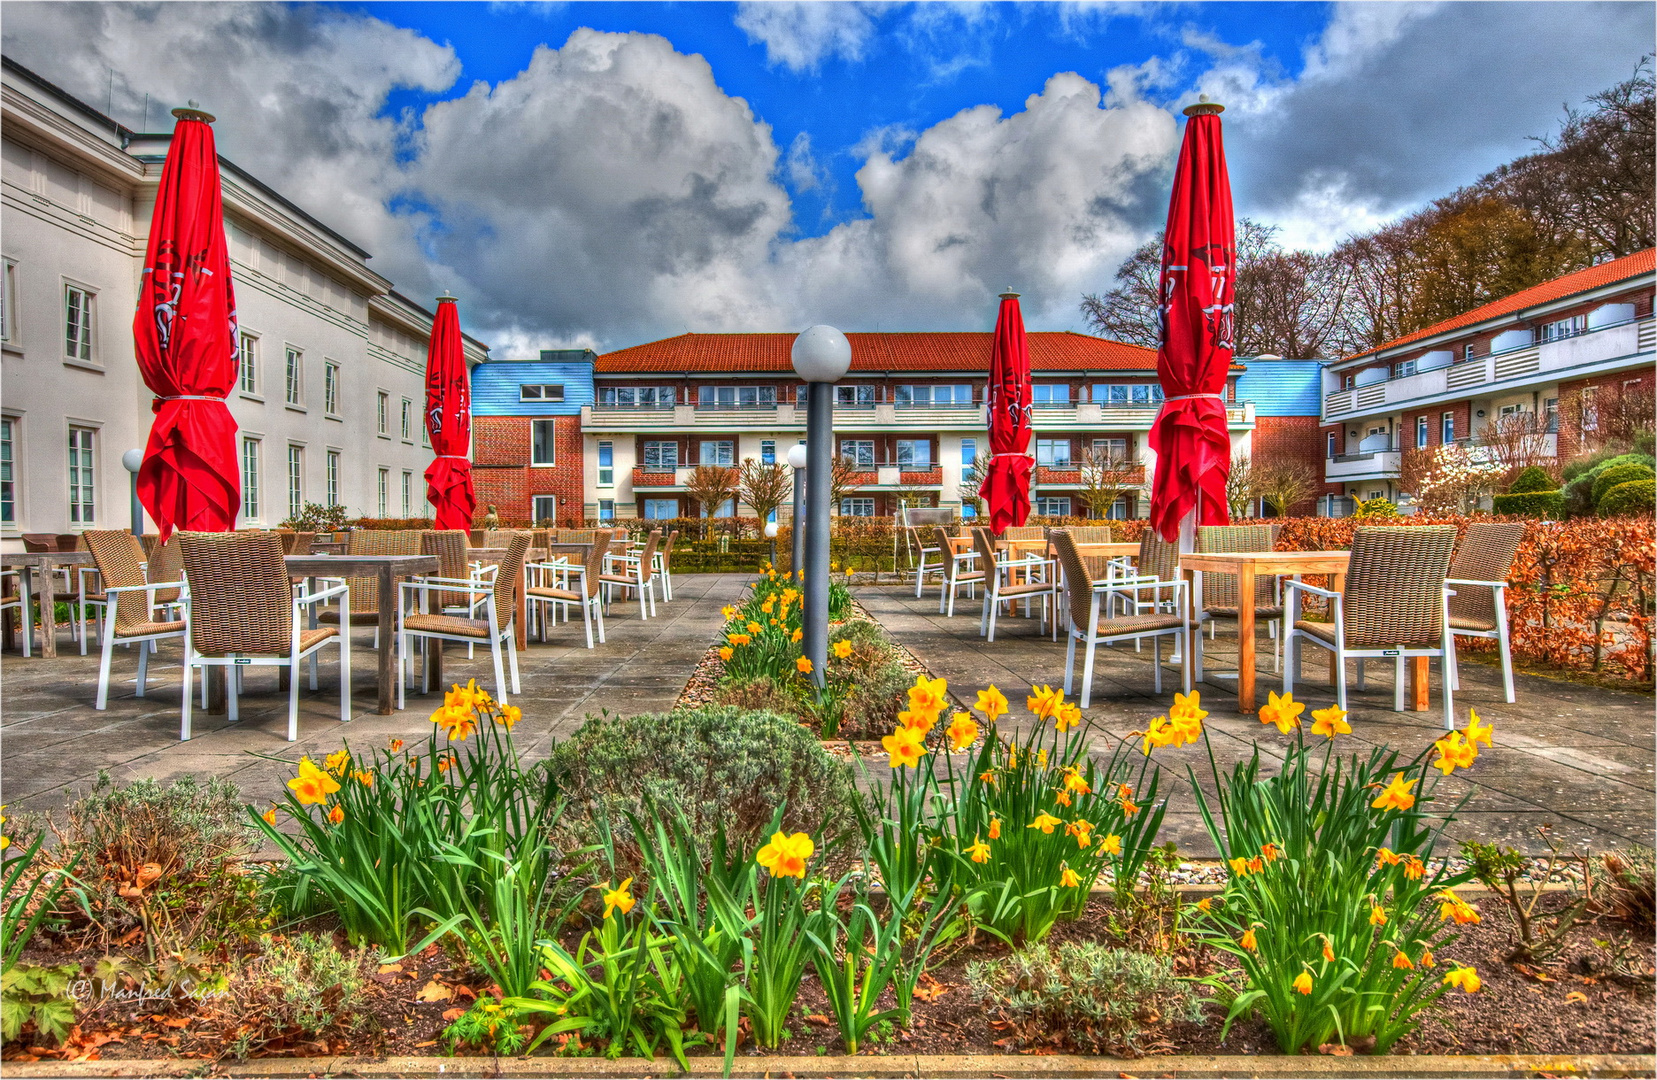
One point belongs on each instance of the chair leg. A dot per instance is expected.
(1398, 685)
(598, 617)
(103, 674)
(1196, 656)
(995, 609)
(500, 673)
(643, 605)
(1506, 647)
(1445, 659)
(512, 658)
(944, 594)
(402, 660)
(1455, 670)
(1087, 670)
(1069, 662)
(233, 694)
(143, 667)
(1290, 666)
(1340, 677)
(345, 679)
(586, 623)
(1360, 675)
(184, 717)
(293, 696)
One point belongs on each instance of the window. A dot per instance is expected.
(383, 412)
(1406, 367)
(425, 434)
(717, 452)
(81, 476)
(969, 453)
(77, 323)
(1590, 408)
(915, 455)
(736, 397)
(606, 464)
(542, 445)
(1050, 395)
(938, 397)
(247, 363)
(1054, 453)
(1330, 449)
(858, 506)
(383, 484)
(1509, 410)
(1350, 381)
(8, 301)
(1550, 415)
(1420, 432)
(546, 508)
(661, 456)
(1118, 509)
(658, 509)
(637, 397)
(553, 392)
(1051, 506)
(1110, 394)
(1467, 352)
(968, 510)
(8, 475)
(408, 492)
(1110, 449)
(726, 509)
(1447, 428)
(860, 452)
(408, 420)
(332, 464)
(1563, 328)
(768, 451)
(250, 479)
(606, 509)
(854, 396)
(330, 388)
(296, 376)
(296, 480)
(1147, 394)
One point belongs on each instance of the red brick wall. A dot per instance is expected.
(1294, 438)
(502, 475)
(1635, 382)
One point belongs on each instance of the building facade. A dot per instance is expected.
(330, 388)
(528, 459)
(1553, 359)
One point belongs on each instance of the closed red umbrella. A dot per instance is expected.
(184, 337)
(449, 421)
(1007, 486)
(1199, 275)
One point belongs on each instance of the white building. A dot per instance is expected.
(332, 387)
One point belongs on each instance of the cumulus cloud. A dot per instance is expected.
(801, 35)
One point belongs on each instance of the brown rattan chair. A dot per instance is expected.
(498, 625)
(1478, 605)
(959, 568)
(1040, 582)
(129, 604)
(634, 573)
(921, 526)
(582, 587)
(1088, 621)
(1393, 607)
(1218, 599)
(364, 593)
(242, 610)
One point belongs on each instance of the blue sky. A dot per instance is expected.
(605, 174)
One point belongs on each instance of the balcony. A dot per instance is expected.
(1604, 349)
(885, 476)
(1368, 465)
(666, 477)
(1130, 474)
(876, 416)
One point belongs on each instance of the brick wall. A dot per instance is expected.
(1299, 439)
(1636, 385)
(502, 475)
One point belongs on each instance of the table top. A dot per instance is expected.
(46, 558)
(1110, 550)
(1268, 562)
(361, 565)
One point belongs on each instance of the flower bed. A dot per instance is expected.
(444, 897)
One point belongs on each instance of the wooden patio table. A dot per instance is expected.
(38, 580)
(389, 569)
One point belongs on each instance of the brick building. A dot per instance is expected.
(526, 435)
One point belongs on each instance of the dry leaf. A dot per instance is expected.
(1335, 1050)
(465, 991)
(390, 969)
(929, 989)
(819, 1018)
(147, 874)
(1578, 996)
(176, 1021)
(435, 991)
(451, 1015)
(423, 1045)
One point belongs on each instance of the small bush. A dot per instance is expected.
(1618, 474)
(875, 700)
(717, 764)
(1375, 508)
(1627, 889)
(1531, 478)
(1633, 497)
(1579, 483)
(759, 694)
(302, 986)
(1101, 1000)
(316, 517)
(1544, 505)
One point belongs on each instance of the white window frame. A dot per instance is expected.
(857, 506)
(405, 420)
(83, 474)
(85, 324)
(768, 451)
(293, 376)
(1589, 398)
(606, 468)
(925, 445)
(252, 446)
(1045, 453)
(606, 509)
(1050, 506)
(8, 301)
(331, 475)
(11, 488)
(408, 493)
(547, 425)
(383, 492)
(535, 501)
(1107, 443)
(552, 393)
(296, 479)
(646, 504)
(860, 452)
(661, 449)
(723, 452)
(382, 414)
(247, 364)
(1560, 329)
(969, 453)
(1422, 431)
(1447, 427)
(1042, 395)
(1331, 444)
(330, 388)
(854, 396)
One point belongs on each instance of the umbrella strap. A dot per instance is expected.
(994, 456)
(451, 457)
(192, 397)
(1195, 397)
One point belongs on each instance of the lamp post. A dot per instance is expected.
(821, 356)
(132, 461)
(771, 535)
(797, 458)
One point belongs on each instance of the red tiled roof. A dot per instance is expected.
(921, 351)
(1578, 281)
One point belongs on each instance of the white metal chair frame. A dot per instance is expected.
(84, 601)
(993, 585)
(1092, 639)
(292, 660)
(496, 633)
(955, 577)
(108, 637)
(25, 610)
(1504, 643)
(644, 583)
(592, 607)
(1292, 654)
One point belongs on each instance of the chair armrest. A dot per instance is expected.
(1301, 586)
(448, 585)
(1029, 560)
(1467, 581)
(460, 583)
(122, 589)
(304, 599)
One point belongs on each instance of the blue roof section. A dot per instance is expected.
(495, 385)
(1282, 387)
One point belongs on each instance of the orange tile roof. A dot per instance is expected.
(1578, 281)
(919, 351)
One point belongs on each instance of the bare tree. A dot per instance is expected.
(1239, 485)
(1285, 485)
(712, 486)
(972, 481)
(843, 476)
(1516, 442)
(1609, 415)
(1104, 480)
(765, 487)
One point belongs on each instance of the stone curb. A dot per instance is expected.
(944, 1067)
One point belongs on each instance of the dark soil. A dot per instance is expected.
(1595, 996)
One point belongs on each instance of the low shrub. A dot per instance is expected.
(876, 697)
(1545, 505)
(1531, 478)
(1372, 509)
(1617, 474)
(1579, 485)
(1633, 497)
(1626, 888)
(1088, 997)
(300, 987)
(758, 694)
(718, 764)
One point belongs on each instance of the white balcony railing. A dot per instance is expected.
(1377, 465)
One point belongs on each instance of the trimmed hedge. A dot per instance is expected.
(1532, 478)
(1632, 497)
(1546, 505)
(1615, 475)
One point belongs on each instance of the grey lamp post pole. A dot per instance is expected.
(132, 461)
(797, 458)
(821, 357)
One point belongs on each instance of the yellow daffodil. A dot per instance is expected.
(1396, 795)
(1045, 822)
(1477, 732)
(618, 898)
(738, 639)
(1066, 716)
(992, 703)
(1075, 781)
(366, 779)
(1283, 711)
(1427, 959)
(1256, 865)
(1239, 866)
(796, 635)
(1377, 917)
(1044, 701)
(336, 814)
(336, 762)
(1271, 852)
(1454, 907)
(904, 748)
(728, 612)
(457, 723)
(1062, 797)
(1414, 868)
(842, 649)
(962, 732)
(1465, 978)
(1330, 722)
(396, 746)
(1188, 706)
(753, 628)
(726, 652)
(979, 851)
(786, 856)
(803, 665)
(1328, 953)
(1069, 879)
(270, 816)
(312, 785)
(918, 721)
(987, 776)
(1081, 830)
(1112, 845)
(1303, 982)
(1401, 960)
(1249, 941)
(995, 828)
(1453, 753)
(1385, 857)
(509, 716)
(1205, 905)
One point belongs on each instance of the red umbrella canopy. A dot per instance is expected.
(1007, 486)
(449, 421)
(1199, 275)
(184, 337)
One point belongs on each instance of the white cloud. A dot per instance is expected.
(801, 34)
(801, 167)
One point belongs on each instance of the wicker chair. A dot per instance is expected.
(497, 627)
(664, 563)
(635, 573)
(1218, 597)
(959, 568)
(365, 591)
(1478, 606)
(1087, 622)
(11, 600)
(120, 561)
(584, 591)
(449, 545)
(921, 524)
(164, 563)
(1024, 532)
(1394, 607)
(242, 610)
(999, 586)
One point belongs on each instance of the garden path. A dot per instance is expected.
(1579, 757)
(54, 742)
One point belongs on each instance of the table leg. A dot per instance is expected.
(1418, 683)
(217, 699)
(520, 628)
(9, 620)
(388, 643)
(1245, 638)
(48, 612)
